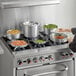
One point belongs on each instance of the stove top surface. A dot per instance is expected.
(31, 44)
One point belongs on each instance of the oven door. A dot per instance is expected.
(59, 69)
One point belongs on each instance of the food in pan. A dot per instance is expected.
(50, 26)
(59, 37)
(13, 31)
(39, 41)
(18, 43)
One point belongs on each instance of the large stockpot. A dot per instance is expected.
(59, 37)
(30, 29)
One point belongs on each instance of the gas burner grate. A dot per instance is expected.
(34, 45)
(31, 45)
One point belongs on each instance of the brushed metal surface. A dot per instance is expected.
(48, 68)
(17, 4)
(30, 31)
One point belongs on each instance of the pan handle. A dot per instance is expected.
(15, 48)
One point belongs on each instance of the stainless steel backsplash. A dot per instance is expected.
(11, 18)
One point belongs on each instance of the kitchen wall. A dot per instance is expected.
(10, 18)
(63, 14)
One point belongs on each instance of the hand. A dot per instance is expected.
(70, 39)
(68, 30)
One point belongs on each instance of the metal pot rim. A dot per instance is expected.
(52, 37)
(13, 36)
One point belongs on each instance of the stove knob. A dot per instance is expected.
(71, 54)
(63, 54)
(67, 54)
(50, 57)
(28, 61)
(35, 60)
(42, 58)
(19, 62)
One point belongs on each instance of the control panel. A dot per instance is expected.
(43, 58)
(31, 60)
(66, 54)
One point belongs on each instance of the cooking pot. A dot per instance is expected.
(13, 34)
(49, 28)
(59, 37)
(30, 29)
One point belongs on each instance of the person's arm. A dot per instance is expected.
(73, 30)
(72, 45)
(64, 30)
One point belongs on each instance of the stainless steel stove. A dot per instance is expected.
(49, 59)
(31, 44)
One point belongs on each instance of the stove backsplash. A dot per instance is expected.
(64, 15)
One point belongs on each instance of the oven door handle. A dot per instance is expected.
(52, 72)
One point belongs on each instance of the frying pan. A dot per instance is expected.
(37, 41)
(19, 46)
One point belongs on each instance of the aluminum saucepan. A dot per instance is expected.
(49, 28)
(13, 34)
(59, 37)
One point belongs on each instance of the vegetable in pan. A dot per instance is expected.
(39, 41)
(50, 26)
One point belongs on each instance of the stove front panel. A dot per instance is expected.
(39, 58)
(65, 68)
